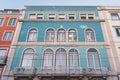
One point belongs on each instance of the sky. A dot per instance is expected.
(19, 4)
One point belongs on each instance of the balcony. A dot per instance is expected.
(97, 71)
(3, 60)
(21, 71)
(59, 70)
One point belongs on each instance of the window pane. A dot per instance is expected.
(90, 35)
(1, 21)
(12, 22)
(3, 52)
(40, 16)
(32, 16)
(50, 35)
(72, 35)
(61, 16)
(61, 35)
(73, 57)
(83, 16)
(114, 16)
(51, 16)
(71, 16)
(118, 31)
(48, 57)
(61, 57)
(32, 36)
(27, 58)
(93, 58)
(7, 36)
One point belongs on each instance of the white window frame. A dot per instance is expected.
(61, 16)
(12, 21)
(91, 15)
(52, 16)
(21, 62)
(10, 37)
(73, 56)
(60, 34)
(83, 15)
(2, 21)
(72, 35)
(93, 56)
(61, 62)
(115, 16)
(40, 15)
(48, 56)
(46, 36)
(32, 17)
(28, 35)
(71, 15)
(90, 39)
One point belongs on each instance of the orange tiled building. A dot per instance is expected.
(8, 23)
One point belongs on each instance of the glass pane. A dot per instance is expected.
(7, 36)
(72, 35)
(90, 35)
(50, 35)
(90, 61)
(27, 58)
(3, 52)
(97, 62)
(61, 35)
(48, 57)
(12, 21)
(1, 21)
(73, 57)
(32, 36)
(114, 16)
(61, 57)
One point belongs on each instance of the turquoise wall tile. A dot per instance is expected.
(40, 50)
(43, 26)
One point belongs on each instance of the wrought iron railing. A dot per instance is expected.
(101, 70)
(23, 71)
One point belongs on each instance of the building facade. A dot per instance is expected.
(61, 43)
(8, 23)
(111, 28)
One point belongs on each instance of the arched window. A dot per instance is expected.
(60, 57)
(72, 35)
(48, 57)
(73, 58)
(90, 36)
(27, 58)
(32, 35)
(93, 58)
(61, 35)
(50, 34)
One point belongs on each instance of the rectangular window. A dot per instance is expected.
(71, 16)
(12, 21)
(40, 16)
(32, 16)
(3, 53)
(114, 16)
(1, 21)
(83, 16)
(90, 16)
(51, 16)
(7, 36)
(61, 16)
(117, 31)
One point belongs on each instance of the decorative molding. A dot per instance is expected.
(36, 20)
